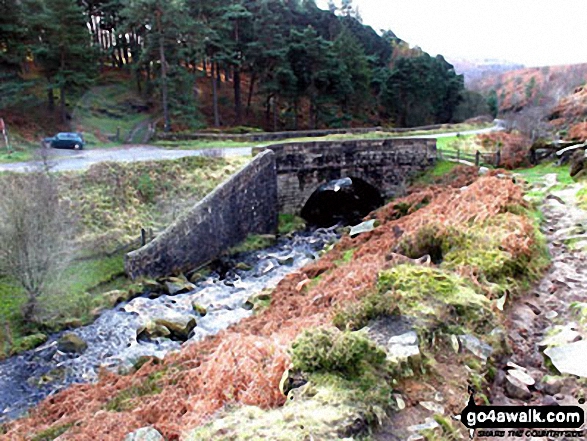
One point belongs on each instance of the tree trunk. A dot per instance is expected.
(50, 100)
(166, 126)
(251, 89)
(218, 77)
(275, 113)
(138, 77)
(214, 95)
(237, 95)
(62, 91)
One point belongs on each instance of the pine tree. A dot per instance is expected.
(63, 49)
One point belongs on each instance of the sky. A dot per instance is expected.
(529, 32)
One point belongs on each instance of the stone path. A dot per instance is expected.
(545, 321)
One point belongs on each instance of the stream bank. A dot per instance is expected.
(116, 341)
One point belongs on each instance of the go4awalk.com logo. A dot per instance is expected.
(520, 421)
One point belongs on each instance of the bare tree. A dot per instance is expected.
(36, 233)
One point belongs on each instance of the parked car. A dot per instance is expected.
(65, 141)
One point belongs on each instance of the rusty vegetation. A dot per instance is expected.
(243, 365)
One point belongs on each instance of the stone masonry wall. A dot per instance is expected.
(384, 163)
(245, 204)
(278, 136)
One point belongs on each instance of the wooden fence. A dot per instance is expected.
(490, 159)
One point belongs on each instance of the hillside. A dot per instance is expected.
(533, 87)
(270, 65)
(475, 71)
(570, 114)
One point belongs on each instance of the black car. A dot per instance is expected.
(65, 141)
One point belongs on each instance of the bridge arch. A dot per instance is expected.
(346, 200)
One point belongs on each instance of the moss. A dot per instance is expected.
(331, 405)
(434, 296)
(330, 350)
(29, 342)
(253, 242)
(52, 433)
(356, 315)
(288, 223)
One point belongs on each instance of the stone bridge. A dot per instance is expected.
(280, 179)
(386, 164)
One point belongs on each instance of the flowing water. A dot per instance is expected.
(112, 340)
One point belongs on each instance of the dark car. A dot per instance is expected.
(65, 141)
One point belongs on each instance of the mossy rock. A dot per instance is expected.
(116, 296)
(201, 310)
(71, 343)
(29, 342)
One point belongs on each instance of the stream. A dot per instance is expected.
(28, 378)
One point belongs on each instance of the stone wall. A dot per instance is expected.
(243, 205)
(278, 136)
(386, 164)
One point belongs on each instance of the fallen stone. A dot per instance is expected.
(551, 315)
(483, 170)
(512, 365)
(243, 266)
(560, 335)
(144, 434)
(475, 346)
(363, 227)
(71, 343)
(516, 389)
(401, 404)
(429, 424)
(522, 376)
(432, 407)
(265, 267)
(569, 358)
(407, 339)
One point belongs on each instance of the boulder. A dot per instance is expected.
(71, 343)
(179, 324)
(178, 285)
(258, 299)
(115, 296)
(144, 434)
(363, 227)
(475, 346)
(152, 329)
(569, 358)
(201, 310)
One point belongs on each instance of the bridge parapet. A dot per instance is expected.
(385, 163)
(243, 205)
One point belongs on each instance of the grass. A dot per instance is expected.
(105, 110)
(74, 296)
(288, 223)
(252, 243)
(441, 168)
(123, 401)
(211, 144)
(536, 174)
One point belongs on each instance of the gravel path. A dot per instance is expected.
(67, 160)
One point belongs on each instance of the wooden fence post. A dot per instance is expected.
(458, 154)
(477, 158)
(498, 157)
